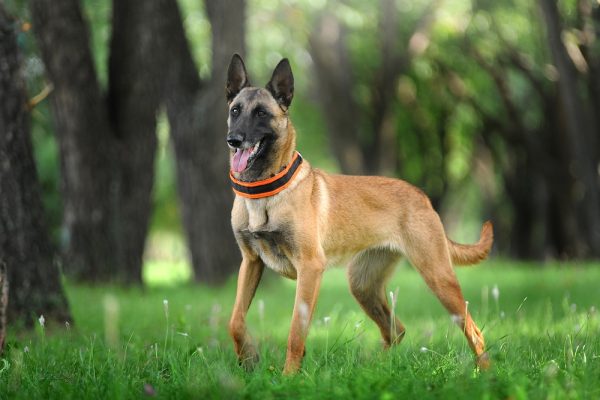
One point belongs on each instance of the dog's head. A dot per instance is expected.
(258, 117)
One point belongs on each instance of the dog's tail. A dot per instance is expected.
(469, 254)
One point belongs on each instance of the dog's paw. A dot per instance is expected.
(291, 368)
(293, 362)
(483, 361)
(249, 359)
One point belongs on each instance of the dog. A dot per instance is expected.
(298, 220)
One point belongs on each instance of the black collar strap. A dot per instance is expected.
(268, 187)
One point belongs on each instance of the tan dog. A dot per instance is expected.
(298, 220)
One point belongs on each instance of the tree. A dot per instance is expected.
(25, 248)
(581, 119)
(136, 90)
(538, 125)
(357, 151)
(197, 115)
(543, 137)
(83, 132)
(107, 141)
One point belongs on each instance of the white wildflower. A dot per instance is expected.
(111, 320)
(551, 369)
(166, 308)
(42, 321)
(495, 293)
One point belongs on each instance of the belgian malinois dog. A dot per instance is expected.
(298, 220)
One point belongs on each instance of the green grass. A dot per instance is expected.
(543, 336)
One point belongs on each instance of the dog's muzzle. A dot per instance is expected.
(235, 139)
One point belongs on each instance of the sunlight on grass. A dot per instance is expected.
(166, 273)
(166, 261)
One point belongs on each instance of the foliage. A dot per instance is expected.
(543, 335)
(443, 103)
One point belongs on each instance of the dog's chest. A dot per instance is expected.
(271, 239)
(273, 249)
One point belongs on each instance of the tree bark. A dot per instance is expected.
(197, 115)
(335, 80)
(578, 124)
(107, 143)
(381, 154)
(84, 134)
(136, 82)
(536, 163)
(377, 151)
(25, 247)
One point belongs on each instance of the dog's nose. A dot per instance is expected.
(235, 139)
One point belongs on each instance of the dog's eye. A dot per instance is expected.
(261, 113)
(235, 111)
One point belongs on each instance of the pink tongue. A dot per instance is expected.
(240, 159)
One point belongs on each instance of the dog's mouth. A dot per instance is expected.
(242, 159)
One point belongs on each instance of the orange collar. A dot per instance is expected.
(268, 187)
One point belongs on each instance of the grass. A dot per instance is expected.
(543, 335)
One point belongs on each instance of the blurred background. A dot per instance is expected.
(492, 108)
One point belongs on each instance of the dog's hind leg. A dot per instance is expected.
(368, 273)
(426, 249)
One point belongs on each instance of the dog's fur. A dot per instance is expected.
(322, 219)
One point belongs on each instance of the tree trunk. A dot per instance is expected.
(374, 151)
(197, 115)
(335, 80)
(107, 144)
(136, 81)
(580, 135)
(381, 153)
(84, 134)
(25, 247)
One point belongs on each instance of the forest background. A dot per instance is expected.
(112, 136)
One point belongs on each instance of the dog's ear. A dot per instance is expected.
(281, 84)
(237, 77)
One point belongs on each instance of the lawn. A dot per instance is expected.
(542, 331)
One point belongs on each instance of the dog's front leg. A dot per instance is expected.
(249, 276)
(307, 290)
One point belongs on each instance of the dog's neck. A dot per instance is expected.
(284, 156)
(277, 161)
